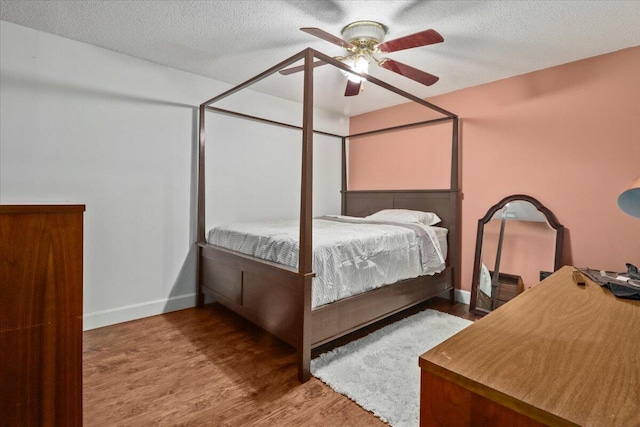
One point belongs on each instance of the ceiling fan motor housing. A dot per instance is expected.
(364, 34)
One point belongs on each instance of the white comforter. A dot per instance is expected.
(350, 255)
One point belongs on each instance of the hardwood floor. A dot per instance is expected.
(210, 367)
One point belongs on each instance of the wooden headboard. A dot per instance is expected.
(366, 202)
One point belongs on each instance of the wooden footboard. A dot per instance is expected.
(278, 299)
(267, 294)
(334, 320)
(275, 297)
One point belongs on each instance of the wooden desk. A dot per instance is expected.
(558, 354)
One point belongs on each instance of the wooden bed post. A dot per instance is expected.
(455, 164)
(456, 205)
(306, 212)
(200, 237)
(344, 176)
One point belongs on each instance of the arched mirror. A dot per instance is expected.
(519, 240)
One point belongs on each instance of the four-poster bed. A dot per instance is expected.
(278, 297)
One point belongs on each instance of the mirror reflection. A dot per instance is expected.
(519, 240)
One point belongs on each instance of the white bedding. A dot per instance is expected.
(485, 280)
(350, 255)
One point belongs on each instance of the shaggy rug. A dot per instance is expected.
(380, 371)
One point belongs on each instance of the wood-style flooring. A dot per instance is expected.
(210, 367)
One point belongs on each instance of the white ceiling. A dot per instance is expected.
(231, 41)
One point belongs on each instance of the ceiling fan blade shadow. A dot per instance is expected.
(326, 36)
(436, 10)
(422, 38)
(299, 68)
(353, 88)
(410, 72)
(328, 11)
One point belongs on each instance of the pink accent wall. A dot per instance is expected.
(567, 135)
(398, 160)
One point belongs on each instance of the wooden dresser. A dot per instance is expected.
(41, 315)
(559, 354)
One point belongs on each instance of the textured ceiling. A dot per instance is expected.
(231, 41)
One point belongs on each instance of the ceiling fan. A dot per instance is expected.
(363, 40)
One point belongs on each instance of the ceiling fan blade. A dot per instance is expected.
(299, 68)
(410, 72)
(328, 37)
(353, 88)
(414, 40)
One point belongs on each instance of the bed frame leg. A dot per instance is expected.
(452, 295)
(199, 293)
(304, 347)
(304, 366)
(200, 299)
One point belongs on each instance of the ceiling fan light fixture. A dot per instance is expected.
(361, 64)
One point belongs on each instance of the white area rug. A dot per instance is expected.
(380, 371)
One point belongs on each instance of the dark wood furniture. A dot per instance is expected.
(278, 298)
(41, 315)
(509, 287)
(475, 304)
(559, 354)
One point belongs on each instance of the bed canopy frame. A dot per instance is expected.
(278, 298)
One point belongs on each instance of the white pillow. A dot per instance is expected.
(405, 215)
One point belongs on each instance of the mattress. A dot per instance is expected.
(350, 255)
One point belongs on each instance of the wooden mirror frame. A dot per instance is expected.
(551, 220)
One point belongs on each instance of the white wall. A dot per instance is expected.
(256, 183)
(81, 124)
